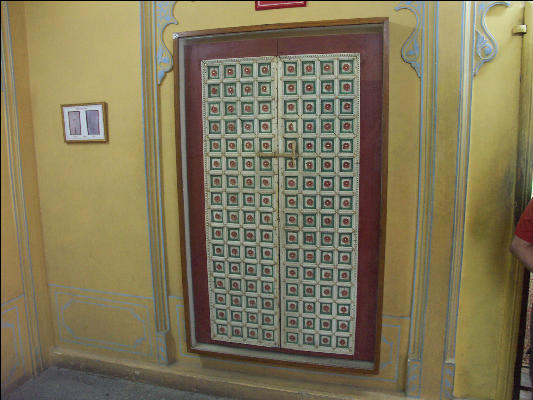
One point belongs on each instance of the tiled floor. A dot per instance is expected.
(64, 384)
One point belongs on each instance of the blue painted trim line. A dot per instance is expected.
(100, 291)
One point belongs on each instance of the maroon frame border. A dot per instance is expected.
(383, 23)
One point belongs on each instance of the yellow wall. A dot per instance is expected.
(489, 212)
(93, 196)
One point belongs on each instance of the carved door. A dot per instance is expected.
(284, 169)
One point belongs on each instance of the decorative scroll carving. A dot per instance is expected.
(411, 48)
(486, 45)
(164, 17)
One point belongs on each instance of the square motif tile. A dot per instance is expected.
(309, 126)
(264, 70)
(213, 90)
(291, 125)
(251, 270)
(247, 108)
(346, 106)
(346, 145)
(308, 87)
(309, 145)
(265, 107)
(327, 87)
(230, 90)
(290, 107)
(247, 89)
(309, 324)
(213, 72)
(230, 108)
(327, 107)
(248, 145)
(292, 306)
(344, 275)
(309, 220)
(247, 70)
(346, 87)
(267, 270)
(247, 126)
(309, 164)
(327, 256)
(230, 71)
(309, 239)
(327, 165)
(266, 218)
(252, 317)
(309, 107)
(309, 202)
(290, 88)
(291, 237)
(290, 68)
(327, 145)
(233, 217)
(326, 67)
(308, 67)
(309, 273)
(327, 202)
(309, 307)
(264, 89)
(346, 67)
(214, 109)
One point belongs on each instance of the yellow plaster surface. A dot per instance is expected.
(92, 195)
(489, 214)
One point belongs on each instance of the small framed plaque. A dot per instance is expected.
(84, 122)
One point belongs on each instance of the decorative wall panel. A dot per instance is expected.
(303, 127)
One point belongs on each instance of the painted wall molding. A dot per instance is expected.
(131, 313)
(478, 47)
(467, 73)
(16, 178)
(421, 51)
(11, 326)
(164, 17)
(486, 45)
(154, 17)
(411, 48)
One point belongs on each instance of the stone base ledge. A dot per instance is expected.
(207, 381)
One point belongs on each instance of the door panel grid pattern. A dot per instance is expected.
(239, 109)
(318, 107)
(293, 282)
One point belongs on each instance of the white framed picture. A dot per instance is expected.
(84, 122)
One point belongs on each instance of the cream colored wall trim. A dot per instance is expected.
(424, 42)
(524, 176)
(17, 191)
(154, 17)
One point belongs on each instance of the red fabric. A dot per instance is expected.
(524, 228)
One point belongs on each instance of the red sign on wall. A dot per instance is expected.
(269, 5)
